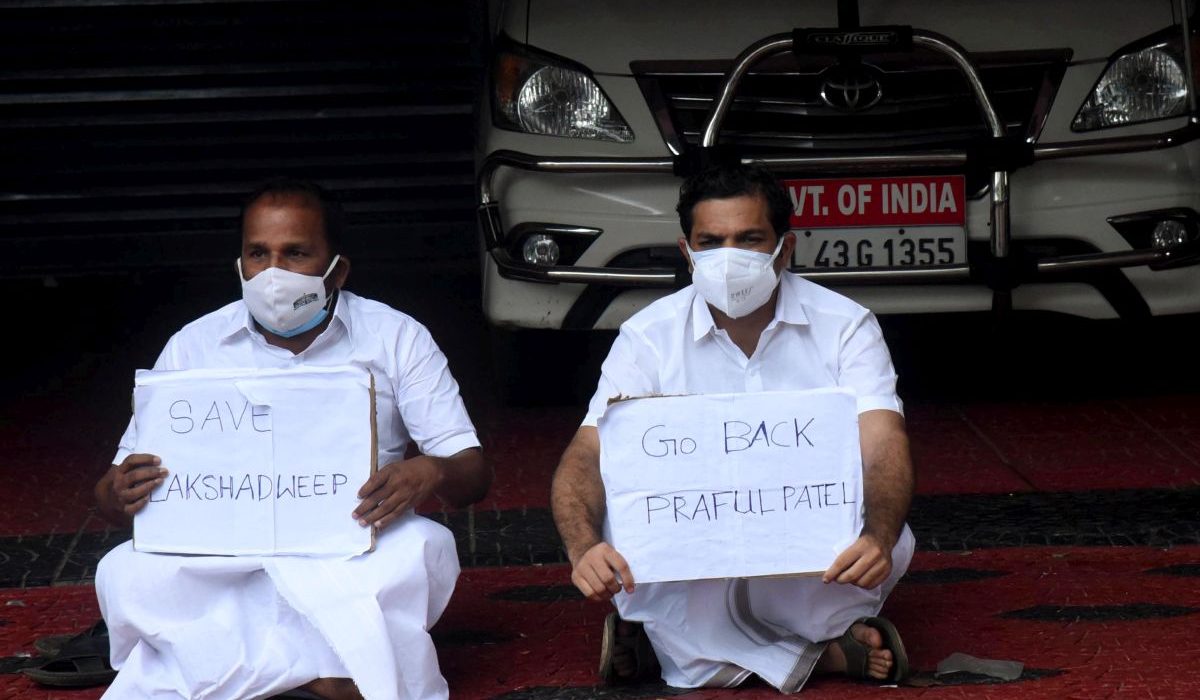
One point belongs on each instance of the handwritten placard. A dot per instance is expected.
(731, 485)
(260, 461)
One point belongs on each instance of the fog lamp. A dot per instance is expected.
(540, 249)
(1169, 232)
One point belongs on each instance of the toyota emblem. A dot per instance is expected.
(851, 88)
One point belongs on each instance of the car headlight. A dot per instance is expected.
(539, 96)
(1138, 86)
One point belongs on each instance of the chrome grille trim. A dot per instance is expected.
(777, 107)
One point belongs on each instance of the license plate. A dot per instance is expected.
(879, 221)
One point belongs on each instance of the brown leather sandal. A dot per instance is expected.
(857, 653)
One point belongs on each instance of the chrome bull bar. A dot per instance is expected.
(1004, 276)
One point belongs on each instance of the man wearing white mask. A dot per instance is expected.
(242, 627)
(744, 325)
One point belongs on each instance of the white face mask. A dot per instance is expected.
(735, 280)
(286, 303)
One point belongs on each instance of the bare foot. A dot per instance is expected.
(879, 660)
(333, 689)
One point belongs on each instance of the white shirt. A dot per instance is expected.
(416, 399)
(817, 338)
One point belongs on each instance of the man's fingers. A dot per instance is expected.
(839, 565)
(584, 587)
(133, 507)
(602, 576)
(614, 559)
(371, 500)
(595, 581)
(133, 494)
(856, 571)
(601, 573)
(865, 570)
(603, 590)
(596, 568)
(381, 509)
(396, 505)
(877, 574)
(134, 461)
(388, 519)
(376, 480)
(139, 475)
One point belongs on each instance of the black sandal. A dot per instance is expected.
(857, 653)
(77, 668)
(55, 644)
(646, 666)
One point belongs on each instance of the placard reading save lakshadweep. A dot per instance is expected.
(731, 485)
(260, 461)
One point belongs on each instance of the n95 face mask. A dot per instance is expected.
(283, 302)
(734, 280)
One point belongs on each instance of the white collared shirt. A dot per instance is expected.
(416, 398)
(817, 338)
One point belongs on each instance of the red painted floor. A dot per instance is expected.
(56, 440)
(530, 645)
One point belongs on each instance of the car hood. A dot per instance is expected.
(606, 36)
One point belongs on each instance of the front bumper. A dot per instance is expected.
(988, 270)
(1002, 265)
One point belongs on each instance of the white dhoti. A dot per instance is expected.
(250, 627)
(715, 633)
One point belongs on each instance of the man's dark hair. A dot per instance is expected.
(331, 210)
(724, 181)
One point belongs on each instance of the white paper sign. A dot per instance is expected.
(261, 461)
(732, 485)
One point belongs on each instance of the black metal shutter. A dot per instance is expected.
(130, 129)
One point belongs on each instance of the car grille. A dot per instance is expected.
(924, 101)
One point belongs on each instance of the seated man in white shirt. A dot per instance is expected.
(243, 627)
(745, 326)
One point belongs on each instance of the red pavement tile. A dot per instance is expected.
(1166, 412)
(560, 647)
(1072, 446)
(1185, 440)
(523, 446)
(490, 646)
(977, 470)
(53, 447)
(951, 457)
(1083, 462)
(1057, 417)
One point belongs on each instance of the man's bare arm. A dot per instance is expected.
(577, 499)
(888, 478)
(887, 492)
(466, 478)
(577, 494)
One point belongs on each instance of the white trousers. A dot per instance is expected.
(238, 628)
(715, 633)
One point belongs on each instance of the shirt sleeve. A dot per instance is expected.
(427, 396)
(625, 372)
(866, 367)
(171, 357)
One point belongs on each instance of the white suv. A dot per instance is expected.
(942, 155)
